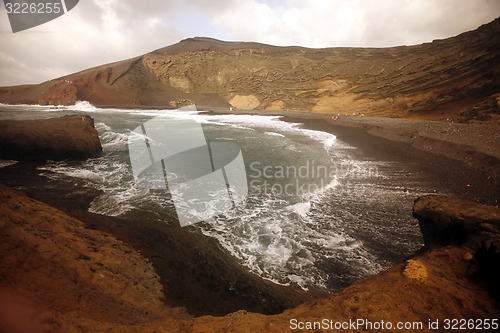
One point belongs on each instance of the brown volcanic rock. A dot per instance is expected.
(68, 276)
(441, 284)
(56, 138)
(435, 286)
(449, 221)
(453, 78)
(57, 275)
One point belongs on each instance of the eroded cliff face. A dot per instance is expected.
(456, 77)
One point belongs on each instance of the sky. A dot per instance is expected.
(97, 32)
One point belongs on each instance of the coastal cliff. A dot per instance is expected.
(57, 274)
(455, 78)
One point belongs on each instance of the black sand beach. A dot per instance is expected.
(464, 158)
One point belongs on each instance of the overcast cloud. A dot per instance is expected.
(96, 32)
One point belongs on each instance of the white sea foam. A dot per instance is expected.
(274, 244)
(6, 163)
(30, 105)
(83, 106)
(112, 140)
(113, 178)
(301, 208)
(82, 173)
(282, 241)
(33, 107)
(276, 126)
(107, 204)
(275, 134)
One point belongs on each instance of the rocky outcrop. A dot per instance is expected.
(56, 138)
(58, 274)
(449, 221)
(60, 93)
(455, 78)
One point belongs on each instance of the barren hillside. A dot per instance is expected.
(456, 78)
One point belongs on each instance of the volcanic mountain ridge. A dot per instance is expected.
(456, 78)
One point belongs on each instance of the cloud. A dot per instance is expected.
(368, 23)
(93, 33)
(96, 32)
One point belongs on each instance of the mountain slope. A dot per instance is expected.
(456, 77)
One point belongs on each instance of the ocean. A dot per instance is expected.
(319, 212)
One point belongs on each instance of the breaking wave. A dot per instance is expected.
(312, 239)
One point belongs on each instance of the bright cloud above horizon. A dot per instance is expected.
(96, 32)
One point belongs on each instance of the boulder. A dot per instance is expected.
(56, 138)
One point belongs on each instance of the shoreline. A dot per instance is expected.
(462, 157)
(73, 278)
(445, 171)
(193, 269)
(165, 247)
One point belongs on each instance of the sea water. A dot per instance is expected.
(318, 213)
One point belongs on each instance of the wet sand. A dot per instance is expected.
(465, 171)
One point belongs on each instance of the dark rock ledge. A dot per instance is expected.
(449, 221)
(55, 138)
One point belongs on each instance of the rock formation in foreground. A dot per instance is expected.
(59, 275)
(55, 138)
(448, 221)
(456, 78)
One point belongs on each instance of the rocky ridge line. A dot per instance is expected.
(455, 78)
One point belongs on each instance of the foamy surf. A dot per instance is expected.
(313, 239)
(110, 139)
(286, 246)
(82, 106)
(6, 163)
(301, 208)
